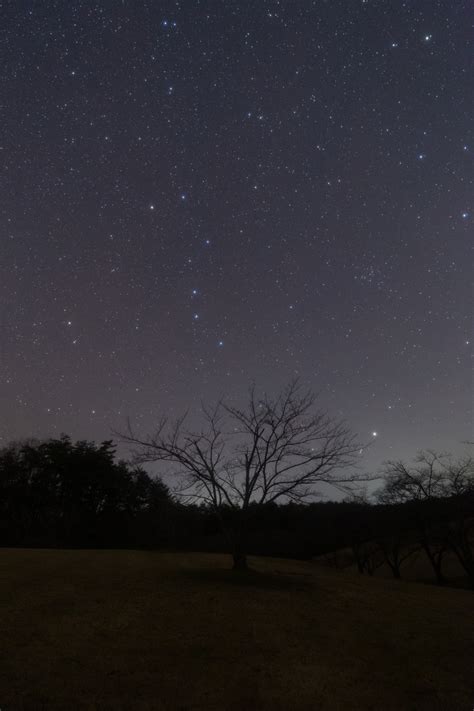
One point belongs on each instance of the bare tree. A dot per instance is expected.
(368, 556)
(459, 486)
(422, 480)
(396, 548)
(272, 449)
(427, 485)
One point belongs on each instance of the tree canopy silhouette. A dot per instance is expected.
(57, 492)
(438, 493)
(274, 448)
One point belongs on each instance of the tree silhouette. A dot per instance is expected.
(459, 487)
(56, 492)
(273, 449)
(438, 493)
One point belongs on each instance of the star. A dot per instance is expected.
(333, 213)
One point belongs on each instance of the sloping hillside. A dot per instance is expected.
(147, 630)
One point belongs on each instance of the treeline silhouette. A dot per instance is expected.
(57, 493)
(60, 493)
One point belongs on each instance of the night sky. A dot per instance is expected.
(199, 194)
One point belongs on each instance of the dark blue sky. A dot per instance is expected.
(199, 194)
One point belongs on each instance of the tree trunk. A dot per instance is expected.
(436, 563)
(239, 546)
(395, 568)
(440, 579)
(470, 572)
(464, 554)
(358, 558)
(240, 560)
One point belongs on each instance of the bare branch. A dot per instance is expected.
(273, 448)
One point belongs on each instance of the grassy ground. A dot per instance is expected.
(145, 630)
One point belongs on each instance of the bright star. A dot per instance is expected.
(374, 434)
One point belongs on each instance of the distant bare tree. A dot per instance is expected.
(424, 479)
(272, 449)
(459, 486)
(396, 549)
(427, 484)
(367, 556)
(459, 477)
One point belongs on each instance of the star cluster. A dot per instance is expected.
(200, 194)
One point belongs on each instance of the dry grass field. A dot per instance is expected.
(150, 630)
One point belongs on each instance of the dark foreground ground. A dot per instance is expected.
(146, 630)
